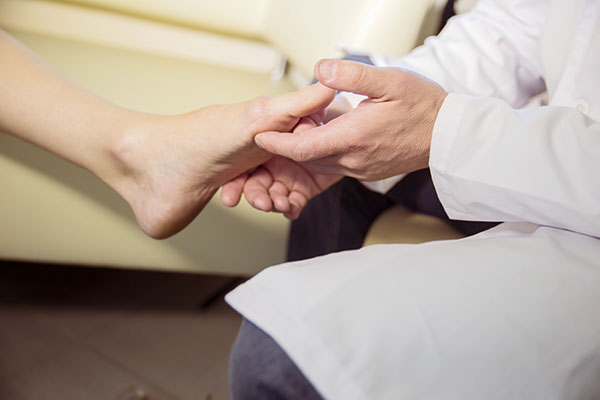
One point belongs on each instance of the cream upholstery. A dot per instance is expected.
(238, 17)
(308, 30)
(399, 225)
(169, 57)
(102, 27)
(302, 31)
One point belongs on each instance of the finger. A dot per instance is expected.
(318, 142)
(232, 191)
(303, 102)
(355, 77)
(297, 203)
(299, 148)
(305, 124)
(256, 190)
(339, 106)
(292, 215)
(279, 195)
(318, 117)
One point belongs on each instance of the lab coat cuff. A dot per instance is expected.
(384, 185)
(445, 131)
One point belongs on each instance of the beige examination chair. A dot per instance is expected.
(172, 57)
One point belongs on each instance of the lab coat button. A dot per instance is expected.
(583, 106)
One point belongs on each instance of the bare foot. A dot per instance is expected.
(172, 165)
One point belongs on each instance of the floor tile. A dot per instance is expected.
(79, 322)
(25, 341)
(185, 352)
(78, 373)
(89, 333)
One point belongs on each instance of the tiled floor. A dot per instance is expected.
(84, 333)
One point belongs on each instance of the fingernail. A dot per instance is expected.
(328, 68)
(258, 142)
(261, 204)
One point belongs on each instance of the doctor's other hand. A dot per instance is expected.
(280, 184)
(388, 134)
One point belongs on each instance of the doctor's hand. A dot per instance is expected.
(388, 134)
(280, 184)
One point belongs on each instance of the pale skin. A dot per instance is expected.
(166, 167)
(388, 134)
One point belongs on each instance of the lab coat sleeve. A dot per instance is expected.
(491, 51)
(490, 162)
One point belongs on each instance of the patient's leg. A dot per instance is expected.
(165, 167)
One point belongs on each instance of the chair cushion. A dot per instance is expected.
(239, 17)
(400, 225)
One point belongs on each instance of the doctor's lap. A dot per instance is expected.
(511, 313)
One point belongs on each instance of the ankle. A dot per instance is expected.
(123, 166)
(147, 172)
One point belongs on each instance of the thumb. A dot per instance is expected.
(310, 145)
(351, 76)
(304, 102)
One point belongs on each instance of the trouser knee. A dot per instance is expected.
(260, 369)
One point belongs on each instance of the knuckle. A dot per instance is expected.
(300, 154)
(355, 73)
(354, 164)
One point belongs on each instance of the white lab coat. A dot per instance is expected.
(512, 313)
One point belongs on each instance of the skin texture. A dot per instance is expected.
(388, 134)
(166, 167)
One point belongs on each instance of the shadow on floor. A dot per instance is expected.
(24, 284)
